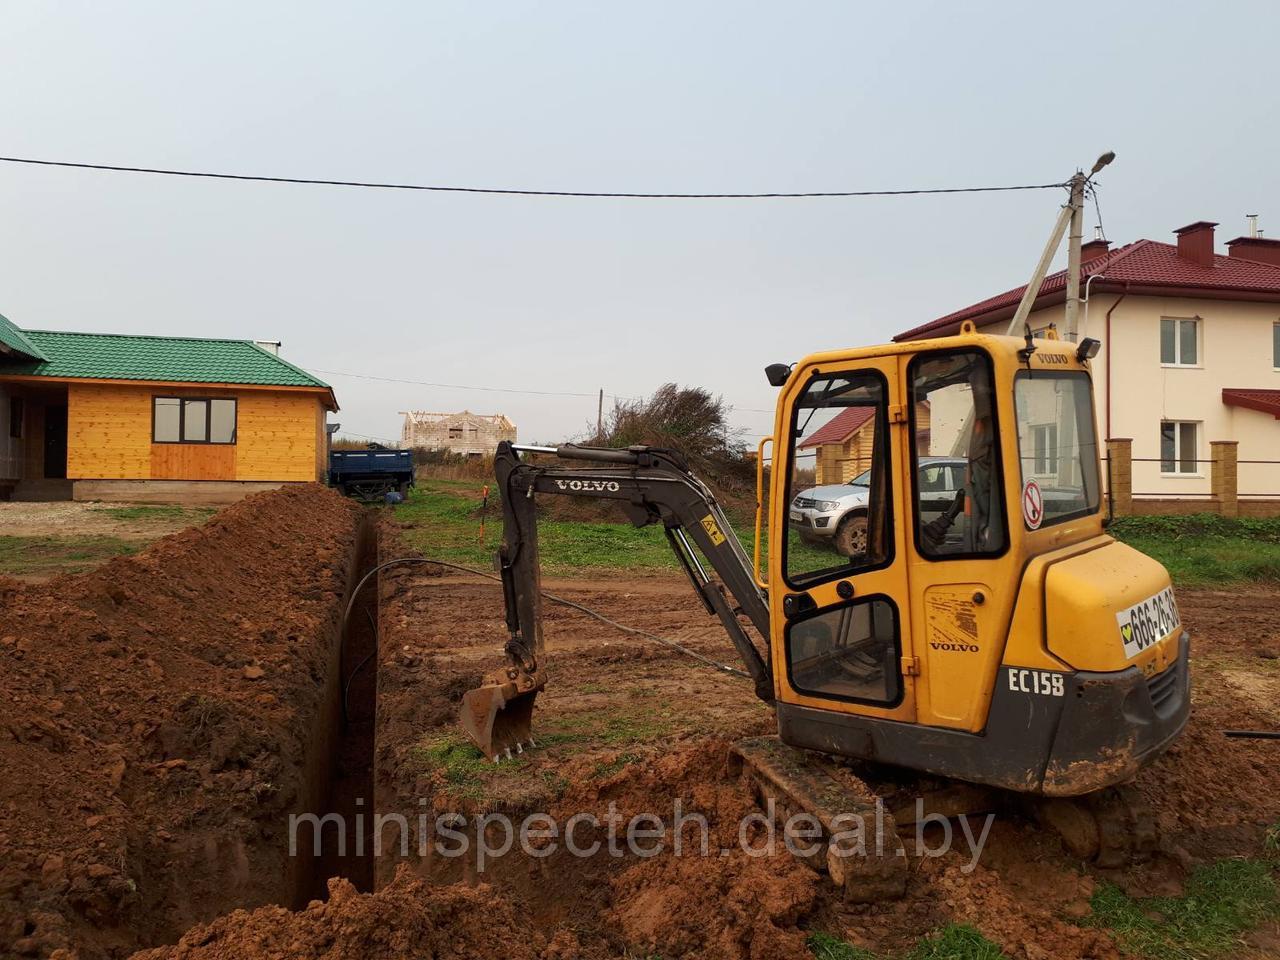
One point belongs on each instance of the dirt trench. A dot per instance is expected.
(163, 716)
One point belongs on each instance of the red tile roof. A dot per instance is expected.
(1144, 266)
(1266, 401)
(840, 427)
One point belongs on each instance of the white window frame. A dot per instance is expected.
(1046, 454)
(1196, 470)
(1177, 343)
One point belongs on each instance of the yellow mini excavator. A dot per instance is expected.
(941, 595)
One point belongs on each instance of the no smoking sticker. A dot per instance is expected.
(1032, 505)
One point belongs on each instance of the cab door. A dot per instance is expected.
(962, 580)
(840, 611)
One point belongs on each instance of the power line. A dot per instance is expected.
(489, 389)
(511, 191)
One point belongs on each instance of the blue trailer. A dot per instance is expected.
(371, 474)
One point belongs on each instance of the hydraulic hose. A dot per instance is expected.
(635, 631)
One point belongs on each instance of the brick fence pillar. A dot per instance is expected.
(1224, 476)
(1120, 475)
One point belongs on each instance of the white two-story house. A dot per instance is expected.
(1190, 353)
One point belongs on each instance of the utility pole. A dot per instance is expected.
(600, 417)
(1074, 239)
(1072, 215)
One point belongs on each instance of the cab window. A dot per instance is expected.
(837, 489)
(1057, 446)
(959, 503)
(851, 652)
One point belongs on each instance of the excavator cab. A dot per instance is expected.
(982, 630)
(939, 594)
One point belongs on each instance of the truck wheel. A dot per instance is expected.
(851, 536)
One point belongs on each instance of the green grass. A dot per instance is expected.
(158, 513)
(454, 757)
(468, 775)
(1221, 902)
(1206, 550)
(615, 729)
(955, 941)
(443, 521)
(442, 518)
(45, 556)
(823, 946)
(604, 770)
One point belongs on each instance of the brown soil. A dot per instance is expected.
(635, 724)
(625, 727)
(406, 918)
(154, 714)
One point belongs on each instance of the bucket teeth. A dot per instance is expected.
(519, 748)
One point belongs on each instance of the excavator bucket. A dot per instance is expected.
(497, 717)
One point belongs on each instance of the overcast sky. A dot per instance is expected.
(572, 295)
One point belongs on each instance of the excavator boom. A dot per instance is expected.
(652, 486)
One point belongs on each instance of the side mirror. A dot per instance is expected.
(777, 373)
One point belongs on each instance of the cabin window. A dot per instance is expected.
(851, 652)
(959, 502)
(16, 417)
(1057, 447)
(839, 506)
(193, 420)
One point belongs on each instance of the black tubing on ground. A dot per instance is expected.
(636, 631)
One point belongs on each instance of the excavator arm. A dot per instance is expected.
(651, 485)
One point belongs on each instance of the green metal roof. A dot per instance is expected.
(110, 356)
(14, 339)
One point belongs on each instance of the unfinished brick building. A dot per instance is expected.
(467, 433)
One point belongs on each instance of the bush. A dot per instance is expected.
(1198, 526)
(691, 421)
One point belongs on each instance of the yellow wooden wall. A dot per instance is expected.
(841, 462)
(109, 436)
(276, 436)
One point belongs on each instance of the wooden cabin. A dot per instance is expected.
(93, 416)
(843, 447)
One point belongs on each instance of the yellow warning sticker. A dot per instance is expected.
(713, 530)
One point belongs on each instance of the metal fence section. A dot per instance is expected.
(1260, 496)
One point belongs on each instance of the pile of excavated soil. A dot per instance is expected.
(405, 919)
(154, 718)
